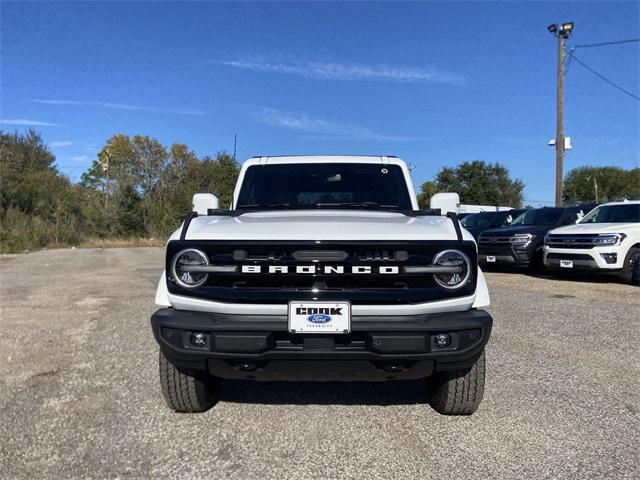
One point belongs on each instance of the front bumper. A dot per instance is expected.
(598, 258)
(378, 348)
(504, 255)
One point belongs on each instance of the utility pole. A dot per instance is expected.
(562, 33)
(560, 122)
(235, 144)
(105, 168)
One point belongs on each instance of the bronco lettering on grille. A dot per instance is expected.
(322, 269)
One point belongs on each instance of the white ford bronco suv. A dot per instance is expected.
(607, 239)
(323, 268)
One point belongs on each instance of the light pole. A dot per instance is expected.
(561, 32)
(595, 185)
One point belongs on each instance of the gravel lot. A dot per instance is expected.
(79, 391)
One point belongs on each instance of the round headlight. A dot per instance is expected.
(181, 271)
(452, 258)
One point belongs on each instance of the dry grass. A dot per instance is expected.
(122, 242)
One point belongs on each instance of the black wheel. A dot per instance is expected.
(458, 392)
(187, 390)
(630, 272)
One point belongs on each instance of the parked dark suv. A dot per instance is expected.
(521, 243)
(476, 223)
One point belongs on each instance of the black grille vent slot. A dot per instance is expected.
(384, 255)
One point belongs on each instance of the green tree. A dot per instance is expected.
(164, 180)
(29, 178)
(38, 206)
(95, 177)
(477, 183)
(611, 183)
(427, 190)
(135, 187)
(129, 212)
(225, 172)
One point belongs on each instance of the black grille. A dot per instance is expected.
(368, 288)
(578, 241)
(568, 256)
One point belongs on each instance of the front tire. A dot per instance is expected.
(458, 392)
(186, 390)
(630, 272)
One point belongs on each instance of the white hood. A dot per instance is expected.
(596, 228)
(322, 225)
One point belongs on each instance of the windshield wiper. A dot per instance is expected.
(256, 206)
(366, 205)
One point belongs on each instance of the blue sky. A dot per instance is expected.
(435, 83)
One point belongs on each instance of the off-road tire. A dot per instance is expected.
(630, 272)
(187, 390)
(458, 392)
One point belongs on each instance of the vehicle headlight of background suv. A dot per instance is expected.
(522, 238)
(608, 239)
(521, 241)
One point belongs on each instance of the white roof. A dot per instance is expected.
(624, 202)
(324, 159)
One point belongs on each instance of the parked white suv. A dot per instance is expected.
(607, 239)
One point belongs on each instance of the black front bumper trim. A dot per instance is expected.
(377, 348)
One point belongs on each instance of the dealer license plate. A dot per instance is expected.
(566, 263)
(319, 317)
(491, 259)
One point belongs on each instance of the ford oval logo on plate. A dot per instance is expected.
(319, 318)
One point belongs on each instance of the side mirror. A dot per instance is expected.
(446, 202)
(202, 202)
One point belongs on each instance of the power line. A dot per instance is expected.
(604, 44)
(602, 76)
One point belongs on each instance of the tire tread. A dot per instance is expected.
(186, 390)
(459, 392)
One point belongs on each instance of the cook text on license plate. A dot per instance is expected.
(319, 317)
(566, 263)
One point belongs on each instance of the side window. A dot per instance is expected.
(483, 221)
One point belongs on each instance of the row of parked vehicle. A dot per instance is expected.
(600, 238)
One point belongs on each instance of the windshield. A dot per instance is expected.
(324, 185)
(477, 219)
(505, 218)
(539, 216)
(614, 214)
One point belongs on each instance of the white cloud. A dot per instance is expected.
(79, 159)
(23, 122)
(118, 106)
(345, 71)
(321, 128)
(60, 143)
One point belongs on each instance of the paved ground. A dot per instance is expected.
(79, 394)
